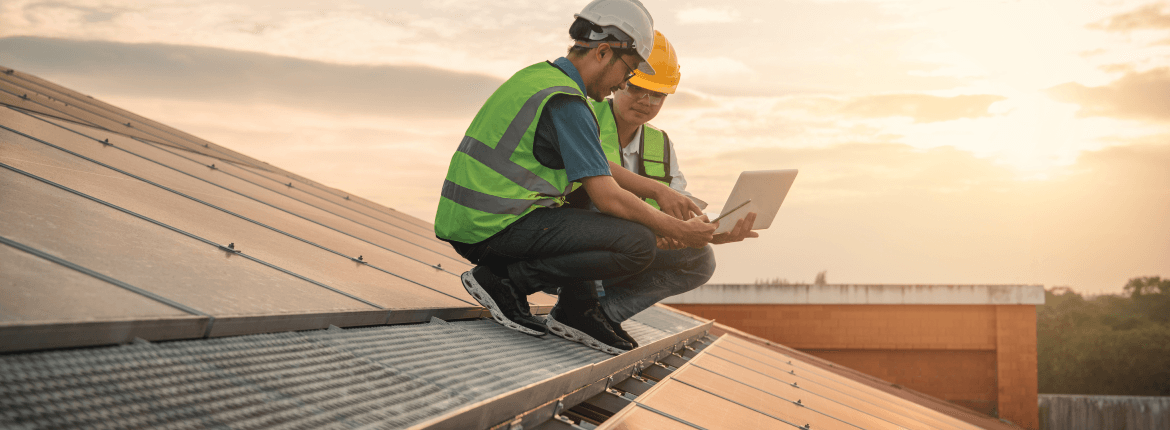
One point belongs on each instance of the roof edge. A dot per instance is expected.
(514, 404)
(862, 294)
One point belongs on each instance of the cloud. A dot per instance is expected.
(213, 74)
(891, 213)
(1150, 16)
(705, 15)
(1136, 95)
(921, 107)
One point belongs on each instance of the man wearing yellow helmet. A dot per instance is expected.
(632, 146)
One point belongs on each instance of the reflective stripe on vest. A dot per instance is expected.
(653, 157)
(490, 186)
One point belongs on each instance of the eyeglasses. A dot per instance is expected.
(631, 69)
(653, 97)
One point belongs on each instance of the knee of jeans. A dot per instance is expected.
(706, 264)
(642, 248)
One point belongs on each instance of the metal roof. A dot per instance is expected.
(390, 376)
(245, 296)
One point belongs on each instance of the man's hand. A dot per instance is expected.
(614, 201)
(741, 231)
(696, 232)
(676, 204)
(668, 243)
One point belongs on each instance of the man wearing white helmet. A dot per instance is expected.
(533, 142)
(631, 143)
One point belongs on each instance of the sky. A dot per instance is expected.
(938, 142)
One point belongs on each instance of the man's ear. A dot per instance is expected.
(603, 53)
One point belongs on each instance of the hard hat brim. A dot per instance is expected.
(644, 67)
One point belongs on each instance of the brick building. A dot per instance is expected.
(973, 345)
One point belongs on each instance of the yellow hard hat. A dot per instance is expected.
(665, 64)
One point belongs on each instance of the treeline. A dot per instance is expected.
(1112, 344)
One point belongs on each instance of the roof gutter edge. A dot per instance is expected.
(514, 404)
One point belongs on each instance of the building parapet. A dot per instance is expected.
(857, 294)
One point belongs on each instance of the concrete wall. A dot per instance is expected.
(971, 345)
(1076, 412)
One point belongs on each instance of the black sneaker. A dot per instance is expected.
(587, 325)
(501, 300)
(618, 330)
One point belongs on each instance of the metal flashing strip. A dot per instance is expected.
(231, 190)
(160, 186)
(375, 377)
(120, 284)
(188, 234)
(527, 401)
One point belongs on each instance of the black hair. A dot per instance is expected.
(582, 28)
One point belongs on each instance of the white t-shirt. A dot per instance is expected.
(630, 159)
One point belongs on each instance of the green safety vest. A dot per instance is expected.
(655, 159)
(494, 179)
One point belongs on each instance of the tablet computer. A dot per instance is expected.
(763, 190)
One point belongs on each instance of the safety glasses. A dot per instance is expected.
(653, 97)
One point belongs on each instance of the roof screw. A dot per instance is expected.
(212, 165)
(347, 197)
(232, 245)
(24, 96)
(9, 71)
(128, 125)
(360, 258)
(106, 142)
(205, 145)
(793, 371)
(798, 403)
(794, 385)
(806, 426)
(290, 184)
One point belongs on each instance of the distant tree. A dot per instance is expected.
(821, 278)
(773, 281)
(1108, 344)
(1151, 296)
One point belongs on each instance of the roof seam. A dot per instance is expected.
(177, 230)
(108, 279)
(225, 210)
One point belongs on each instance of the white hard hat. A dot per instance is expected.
(629, 16)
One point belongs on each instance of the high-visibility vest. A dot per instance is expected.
(654, 159)
(493, 178)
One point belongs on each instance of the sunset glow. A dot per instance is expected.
(938, 142)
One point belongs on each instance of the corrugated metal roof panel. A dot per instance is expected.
(733, 384)
(391, 377)
(225, 181)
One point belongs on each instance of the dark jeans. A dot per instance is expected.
(673, 272)
(564, 248)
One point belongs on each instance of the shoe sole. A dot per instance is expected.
(485, 299)
(562, 330)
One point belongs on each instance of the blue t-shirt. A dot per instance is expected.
(566, 134)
